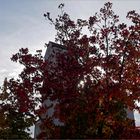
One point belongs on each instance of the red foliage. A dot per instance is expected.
(96, 78)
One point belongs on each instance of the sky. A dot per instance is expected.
(22, 25)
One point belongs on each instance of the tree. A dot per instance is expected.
(13, 123)
(94, 81)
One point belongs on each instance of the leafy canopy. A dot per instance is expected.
(93, 81)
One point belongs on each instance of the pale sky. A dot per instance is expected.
(22, 25)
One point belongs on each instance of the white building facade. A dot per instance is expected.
(50, 56)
